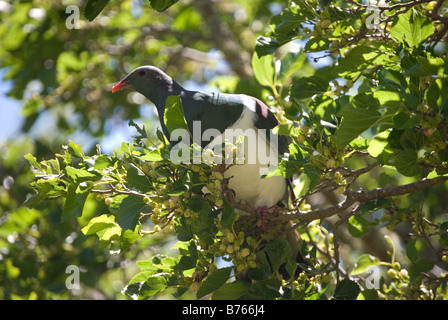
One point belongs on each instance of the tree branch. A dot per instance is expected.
(363, 196)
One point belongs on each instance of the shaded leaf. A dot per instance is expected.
(264, 70)
(94, 8)
(411, 28)
(363, 263)
(214, 281)
(406, 163)
(346, 290)
(161, 5)
(74, 202)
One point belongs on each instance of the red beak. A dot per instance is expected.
(119, 86)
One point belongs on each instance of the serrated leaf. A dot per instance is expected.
(363, 263)
(358, 226)
(103, 161)
(75, 150)
(153, 155)
(174, 117)
(109, 234)
(377, 144)
(98, 223)
(426, 67)
(346, 290)
(231, 291)
(161, 5)
(278, 252)
(416, 269)
(266, 45)
(127, 209)
(411, 250)
(137, 179)
(33, 161)
(411, 28)
(317, 44)
(228, 214)
(412, 139)
(359, 59)
(214, 281)
(306, 87)
(94, 8)
(313, 174)
(264, 70)
(355, 121)
(74, 202)
(406, 163)
(78, 175)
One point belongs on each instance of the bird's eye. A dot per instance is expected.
(142, 73)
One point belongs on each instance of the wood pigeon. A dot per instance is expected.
(222, 111)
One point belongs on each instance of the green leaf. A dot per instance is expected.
(152, 285)
(358, 226)
(402, 121)
(78, 175)
(99, 223)
(75, 150)
(33, 161)
(363, 263)
(411, 250)
(290, 63)
(411, 28)
(214, 281)
(264, 70)
(137, 179)
(426, 67)
(110, 234)
(406, 163)
(228, 214)
(174, 117)
(127, 238)
(153, 155)
(291, 18)
(313, 174)
(412, 139)
(266, 45)
(291, 267)
(161, 5)
(278, 252)
(183, 229)
(231, 291)
(103, 161)
(377, 144)
(94, 8)
(417, 268)
(444, 234)
(316, 44)
(346, 290)
(127, 209)
(356, 120)
(307, 87)
(360, 59)
(74, 202)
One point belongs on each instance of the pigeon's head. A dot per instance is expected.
(147, 80)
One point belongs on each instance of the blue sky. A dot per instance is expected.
(10, 114)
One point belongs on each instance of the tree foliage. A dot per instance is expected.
(360, 89)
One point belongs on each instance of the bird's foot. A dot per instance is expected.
(263, 211)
